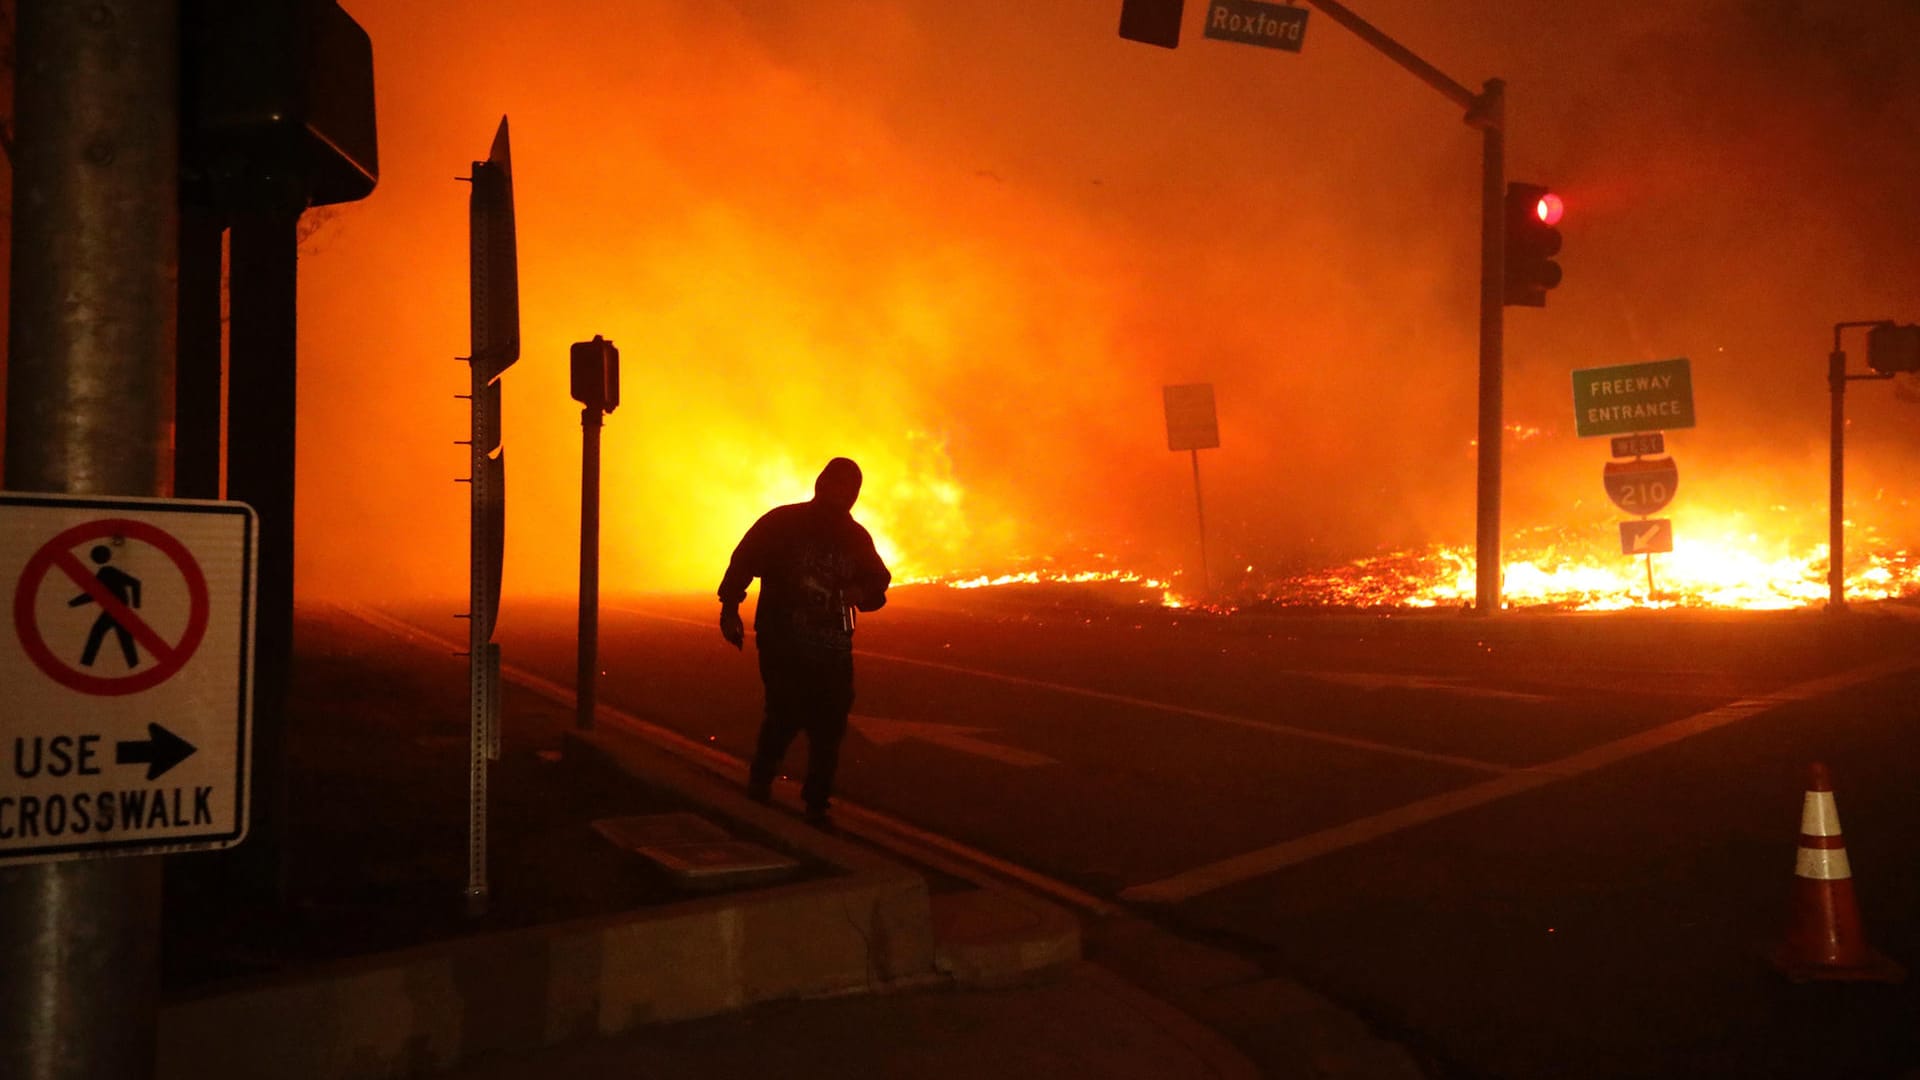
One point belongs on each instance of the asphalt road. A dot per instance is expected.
(1538, 845)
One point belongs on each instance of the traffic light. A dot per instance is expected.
(1892, 348)
(1532, 242)
(1156, 22)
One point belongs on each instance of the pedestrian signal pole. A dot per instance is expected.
(595, 370)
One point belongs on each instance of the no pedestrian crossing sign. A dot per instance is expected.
(127, 662)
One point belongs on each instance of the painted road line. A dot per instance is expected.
(1347, 741)
(1204, 879)
(929, 849)
(1367, 680)
(884, 732)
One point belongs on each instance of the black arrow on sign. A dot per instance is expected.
(162, 751)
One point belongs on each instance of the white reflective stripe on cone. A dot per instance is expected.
(1822, 864)
(1819, 816)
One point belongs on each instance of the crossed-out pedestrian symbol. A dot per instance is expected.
(119, 596)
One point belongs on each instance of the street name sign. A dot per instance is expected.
(1648, 537)
(1250, 22)
(1640, 444)
(127, 662)
(1191, 423)
(1642, 486)
(1654, 396)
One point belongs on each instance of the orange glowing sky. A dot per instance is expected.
(968, 245)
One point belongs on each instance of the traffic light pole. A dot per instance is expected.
(1837, 379)
(1489, 114)
(89, 411)
(1487, 111)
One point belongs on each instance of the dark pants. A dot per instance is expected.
(808, 689)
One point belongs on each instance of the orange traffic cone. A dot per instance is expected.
(1824, 939)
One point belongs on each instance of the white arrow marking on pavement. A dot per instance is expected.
(886, 732)
(1370, 681)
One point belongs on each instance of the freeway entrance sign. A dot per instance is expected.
(1249, 22)
(127, 662)
(1655, 396)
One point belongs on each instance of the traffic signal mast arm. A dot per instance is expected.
(1406, 58)
(1157, 22)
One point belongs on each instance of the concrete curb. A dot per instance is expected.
(429, 1008)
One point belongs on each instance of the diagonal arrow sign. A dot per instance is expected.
(161, 751)
(886, 732)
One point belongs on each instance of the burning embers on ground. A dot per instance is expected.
(1548, 570)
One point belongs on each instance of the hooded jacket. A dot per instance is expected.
(808, 556)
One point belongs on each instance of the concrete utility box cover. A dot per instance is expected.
(637, 831)
(694, 852)
(720, 864)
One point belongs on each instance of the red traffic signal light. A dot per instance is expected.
(1532, 211)
(1156, 22)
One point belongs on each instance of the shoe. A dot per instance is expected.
(762, 796)
(819, 819)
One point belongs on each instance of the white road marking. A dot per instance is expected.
(1206, 714)
(885, 732)
(1231, 871)
(1368, 680)
(1142, 703)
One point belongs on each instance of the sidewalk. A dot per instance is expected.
(855, 965)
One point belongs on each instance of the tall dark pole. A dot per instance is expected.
(90, 397)
(1836, 480)
(586, 675)
(260, 426)
(197, 388)
(1490, 114)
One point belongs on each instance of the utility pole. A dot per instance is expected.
(90, 398)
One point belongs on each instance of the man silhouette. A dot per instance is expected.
(126, 589)
(816, 565)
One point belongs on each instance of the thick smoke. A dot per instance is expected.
(969, 248)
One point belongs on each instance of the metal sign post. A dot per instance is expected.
(90, 378)
(1193, 426)
(494, 285)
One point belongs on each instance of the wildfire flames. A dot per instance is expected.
(1548, 571)
(806, 243)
